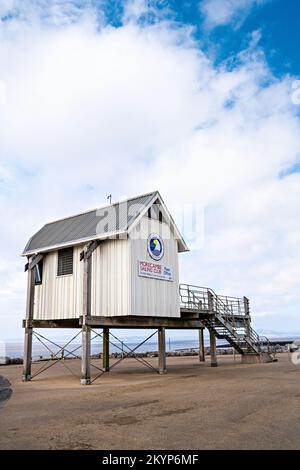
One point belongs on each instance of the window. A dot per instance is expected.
(153, 211)
(65, 262)
(38, 273)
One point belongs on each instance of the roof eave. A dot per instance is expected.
(182, 246)
(81, 241)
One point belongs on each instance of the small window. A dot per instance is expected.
(65, 262)
(153, 211)
(38, 273)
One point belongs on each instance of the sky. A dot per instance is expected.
(198, 99)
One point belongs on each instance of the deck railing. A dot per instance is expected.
(233, 312)
(204, 298)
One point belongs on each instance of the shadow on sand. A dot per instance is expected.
(5, 391)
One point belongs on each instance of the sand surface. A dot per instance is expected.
(194, 406)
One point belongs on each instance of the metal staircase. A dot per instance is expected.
(227, 317)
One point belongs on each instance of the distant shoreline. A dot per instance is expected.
(12, 352)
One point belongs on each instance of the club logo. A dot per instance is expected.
(155, 246)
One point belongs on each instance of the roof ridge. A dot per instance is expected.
(91, 224)
(101, 207)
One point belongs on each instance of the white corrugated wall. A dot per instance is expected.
(59, 297)
(117, 289)
(111, 279)
(153, 297)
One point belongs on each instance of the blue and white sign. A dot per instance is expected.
(155, 271)
(155, 246)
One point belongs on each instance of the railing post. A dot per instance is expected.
(248, 319)
(189, 294)
(246, 306)
(210, 300)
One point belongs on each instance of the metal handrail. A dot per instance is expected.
(231, 305)
(250, 334)
(270, 348)
(227, 307)
(194, 296)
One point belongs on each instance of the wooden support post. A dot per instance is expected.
(86, 330)
(246, 306)
(106, 349)
(86, 356)
(27, 357)
(247, 314)
(201, 345)
(162, 365)
(213, 349)
(210, 300)
(86, 257)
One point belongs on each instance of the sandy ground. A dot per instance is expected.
(194, 406)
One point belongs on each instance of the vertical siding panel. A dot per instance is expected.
(128, 274)
(111, 277)
(94, 266)
(152, 297)
(120, 299)
(52, 274)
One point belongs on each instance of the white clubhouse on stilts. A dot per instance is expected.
(117, 267)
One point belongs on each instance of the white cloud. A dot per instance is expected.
(92, 111)
(135, 9)
(223, 12)
(53, 13)
(147, 11)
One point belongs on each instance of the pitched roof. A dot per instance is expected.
(95, 224)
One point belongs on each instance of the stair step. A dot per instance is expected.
(225, 330)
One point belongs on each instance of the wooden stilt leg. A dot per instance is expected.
(106, 349)
(27, 357)
(201, 345)
(86, 356)
(162, 366)
(213, 350)
(86, 329)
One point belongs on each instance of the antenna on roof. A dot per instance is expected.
(109, 197)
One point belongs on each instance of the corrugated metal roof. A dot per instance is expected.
(115, 218)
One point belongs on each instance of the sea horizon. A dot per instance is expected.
(14, 349)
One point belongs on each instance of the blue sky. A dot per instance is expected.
(199, 99)
(278, 20)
